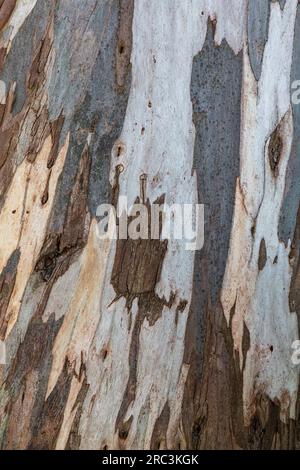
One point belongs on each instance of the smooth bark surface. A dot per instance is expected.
(114, 344)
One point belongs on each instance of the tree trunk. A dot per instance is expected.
(113, 344)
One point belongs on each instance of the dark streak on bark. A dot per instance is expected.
(219, 421)
(288, 214)
(159, 435)
(258, 25)
(34, 355)
(39, 132)
(124, 43)
(2, 57)
(37, 73)
(138, 263)
(8, 142)
(45, 431)
(262, 257)
(245, 344)
(180, 308)
(74, 436)
(212, 408)
(6, 10)
(125, 428)
(275, 150)
(55, 128)
(11, 125)
(7, 283)
(58, 246)
(266, 430)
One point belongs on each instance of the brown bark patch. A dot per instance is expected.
(266, 430)
(262, 257)
(46, 429)
(137, 265)
(55, 129)
(159, 434)
(275, 150)
(20, 412)
(2, 57)
(180, 308)
(74, 233)
(246, 341)
(6, 10)
(74, 438)
(124, 43)
(8, 142)
(125, 428)
(219, 420)
(60, 246)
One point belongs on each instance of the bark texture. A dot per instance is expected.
(144, 344)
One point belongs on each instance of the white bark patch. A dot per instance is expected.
(229, 16)
(261, 296)
(2, 92)
(158, 141)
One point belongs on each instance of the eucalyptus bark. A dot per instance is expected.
(114, 344)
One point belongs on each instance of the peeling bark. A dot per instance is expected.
(120, 344)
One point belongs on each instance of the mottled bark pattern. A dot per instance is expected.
(141, 343)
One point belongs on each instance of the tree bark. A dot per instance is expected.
(113, 344)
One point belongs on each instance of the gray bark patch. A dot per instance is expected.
(216, 96)
(291, 200)
(24, 45)
(93, 105)
(258, 23)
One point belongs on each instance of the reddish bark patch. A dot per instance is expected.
(124, 43)
(6, 9)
